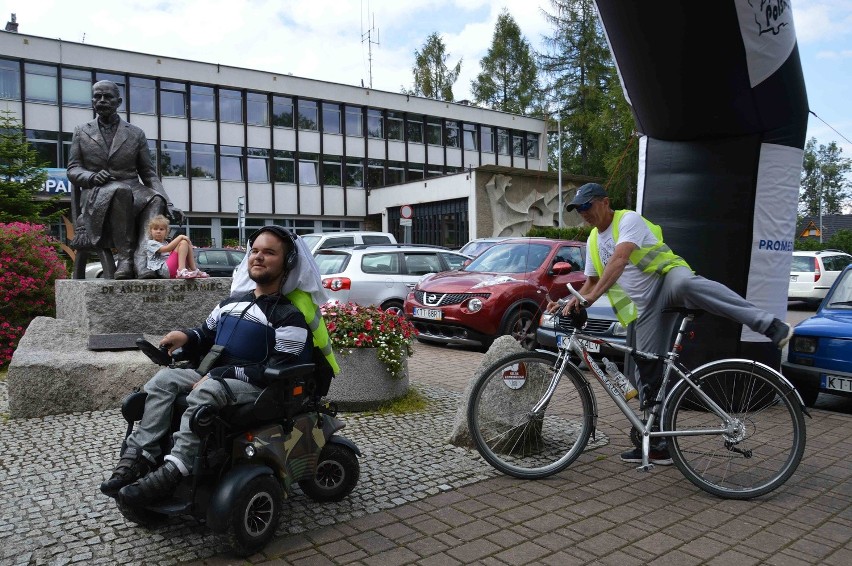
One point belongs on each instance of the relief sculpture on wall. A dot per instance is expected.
(516, 207)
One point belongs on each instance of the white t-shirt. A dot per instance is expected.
(639, 286)
(156, 258)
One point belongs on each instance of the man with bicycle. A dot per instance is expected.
(627, 259)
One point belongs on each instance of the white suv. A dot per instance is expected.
(326, 240)
(812, 274)
(381, 275)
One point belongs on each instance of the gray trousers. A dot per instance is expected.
(162, 390)
(654, 330)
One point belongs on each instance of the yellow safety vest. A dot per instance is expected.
(658, 259)
(311, 312)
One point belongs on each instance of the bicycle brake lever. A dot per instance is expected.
(583, 302)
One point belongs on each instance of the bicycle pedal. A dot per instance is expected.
(648, 468)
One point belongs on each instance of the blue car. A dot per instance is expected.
(819, 359)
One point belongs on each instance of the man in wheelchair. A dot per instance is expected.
(243, 336)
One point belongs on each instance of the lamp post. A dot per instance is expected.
(559, 152)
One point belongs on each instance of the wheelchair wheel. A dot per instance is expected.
(336, 474)
(254, 517)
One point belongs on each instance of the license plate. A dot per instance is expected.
(593, 347)
(430, 314)
(794, 278)
(836, 383)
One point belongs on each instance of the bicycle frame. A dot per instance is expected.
(576, 345)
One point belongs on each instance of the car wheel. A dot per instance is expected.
(393, 307)
(521, 325)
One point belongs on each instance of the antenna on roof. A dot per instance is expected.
(367, 36)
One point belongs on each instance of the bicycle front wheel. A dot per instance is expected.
(763, 449)
(520, 432)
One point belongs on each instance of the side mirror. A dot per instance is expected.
(561, 268)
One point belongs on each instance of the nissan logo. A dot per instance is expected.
(432, 299)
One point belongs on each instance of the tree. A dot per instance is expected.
(22, 176)
(509, 77)
(598, 136)
(432, 77)
(824, 171)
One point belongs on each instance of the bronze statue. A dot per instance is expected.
(108, 159)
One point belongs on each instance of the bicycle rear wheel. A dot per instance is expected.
(512, 437)
(765, 449)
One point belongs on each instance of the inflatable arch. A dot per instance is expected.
(719, 100)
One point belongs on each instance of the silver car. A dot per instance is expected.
(381, 275)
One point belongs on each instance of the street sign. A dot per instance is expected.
(405, 222)
(405, 211)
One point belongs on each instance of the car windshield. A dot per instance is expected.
(331, 263)
(311, 241)
(475, 248)
(841, 295)
(519, 257)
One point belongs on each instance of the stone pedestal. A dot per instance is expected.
(53, 372)
(364, 382)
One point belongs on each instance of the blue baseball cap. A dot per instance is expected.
(585, 194)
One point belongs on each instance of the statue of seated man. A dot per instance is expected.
(120, 190)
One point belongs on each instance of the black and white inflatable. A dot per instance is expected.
(718, 96)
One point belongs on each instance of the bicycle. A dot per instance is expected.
(735, 427)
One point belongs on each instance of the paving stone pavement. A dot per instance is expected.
(423, 501)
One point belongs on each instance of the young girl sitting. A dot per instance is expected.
(169, 265)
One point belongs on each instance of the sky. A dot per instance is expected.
(350, 41)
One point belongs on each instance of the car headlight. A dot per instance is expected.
(474, 305)
(804, 344)
(619, 329)
(547, 321)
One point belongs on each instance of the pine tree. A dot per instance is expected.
(22, 177)
(432, 77)
(824, 171)
(509, 77)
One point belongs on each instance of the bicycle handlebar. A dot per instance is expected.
(573, 291)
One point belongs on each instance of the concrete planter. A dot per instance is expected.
(364, 382)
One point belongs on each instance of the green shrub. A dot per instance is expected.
(580, 233)
(29, 268)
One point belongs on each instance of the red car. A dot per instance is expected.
(502, 291)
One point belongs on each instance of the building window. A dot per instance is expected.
(354, 172)
(173, 159)
(257, 163)
(502, 141)
(230, 106)
(202, 101)
(395, 130)
(143, 95)
(282, 111)
(308, 165)
(414, 128)
(331, 171)
(396, 173)
(532, 145)
(119, 82)
(433, 131)
(10, 79)
(452, 133)
(257, 109)
(415, 172)
(330, 118)
(230, 163)
(203, 160)
(375, 124)
(375, 173)
(308, 115)
(76, 87)
(283, 170)
(66, 147)
(471, 141)
(152, 151)
(354, 121)
(434, 171)
(46, 144)
(487, 139)
(518, 144)
(173, 100)
(41, 83)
